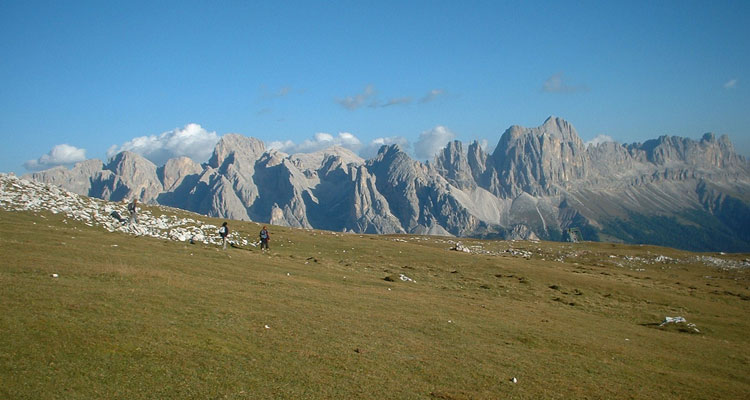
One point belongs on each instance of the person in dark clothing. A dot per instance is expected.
(224, 232)
(264, 238)
(133, 210)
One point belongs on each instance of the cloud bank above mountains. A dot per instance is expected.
(599, 139)
(431, 141)
(197, 143)
(319, 141)
(61, 154)
(192, 141)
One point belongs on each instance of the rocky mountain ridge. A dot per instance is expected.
(538, 182)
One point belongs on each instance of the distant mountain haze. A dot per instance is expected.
(537, 183)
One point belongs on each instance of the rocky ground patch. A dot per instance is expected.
(18, 194)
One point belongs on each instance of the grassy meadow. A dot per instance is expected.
(327, 316)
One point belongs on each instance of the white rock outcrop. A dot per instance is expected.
(18, 194)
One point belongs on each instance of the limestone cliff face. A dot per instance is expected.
(281, 184)
(537, 183)
(477, 160)
(241, 146)
(538, 161)
(370, 212)
(453, 165)
(397, 178)
(235, 157)
(82, 178)
(346, 198)
(132, 176)
(176, 170)
(419, 197)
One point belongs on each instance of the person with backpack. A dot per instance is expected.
(264, 238)
(133, 210)
(224, 232)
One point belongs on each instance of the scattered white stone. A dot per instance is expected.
(18, 194)
(673, 320)
(55, 275)
(460, 247)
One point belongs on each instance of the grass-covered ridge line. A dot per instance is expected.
(141, 317)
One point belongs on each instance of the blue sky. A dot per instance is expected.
(169, 78)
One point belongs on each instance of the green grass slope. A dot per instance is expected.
(141, 318)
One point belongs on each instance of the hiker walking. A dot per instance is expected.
(224, 231)
(133, 210)
(264, 238)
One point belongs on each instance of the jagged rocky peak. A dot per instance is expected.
(334, 166)
(537, 160)
(553, 126)
(127, 162)
(554, 131)
(176, 170)
(723, 149)
(78, 179)
(709, 152)
(453, 164)
(451, 155)
(134, 176)
(272, 158)
(240, 145)
(389, 151)
(560, 127)
(611, 159)
(369, 212)
(88, 167)
(316, 160)
(394, 164)
(477, 159)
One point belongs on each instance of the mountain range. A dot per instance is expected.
(537, 183)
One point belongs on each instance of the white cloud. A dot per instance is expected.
(283, 91)
(371, 150)
(359, 100)
(599, 139)
(192, 141)
(432, 141)
(61, 154)
(558, 83)
(319, 141)
(270, 94)
(432, 95)
(369, 98)
(280, 145)
(731, 84)
(396, 101)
